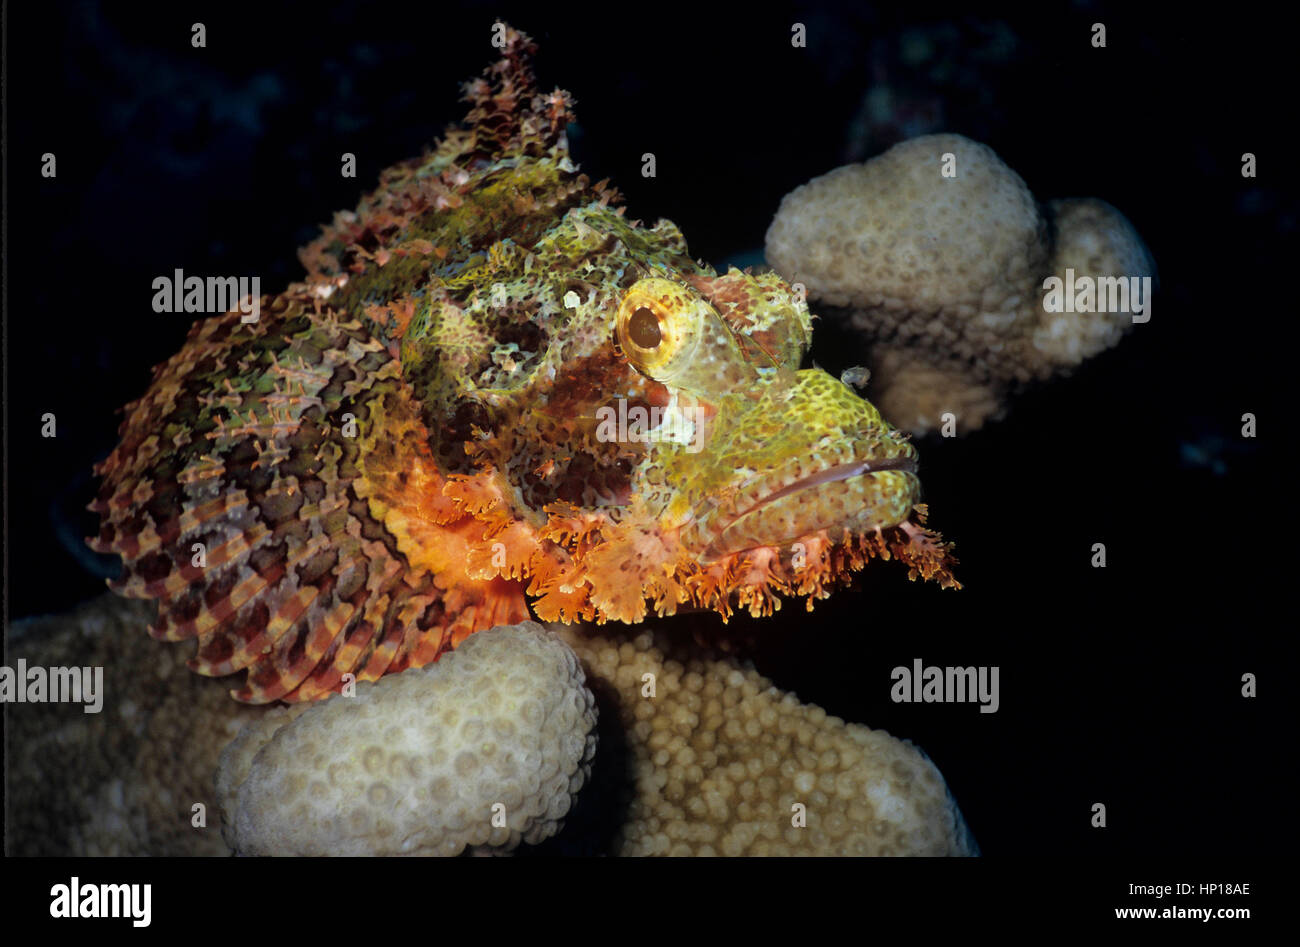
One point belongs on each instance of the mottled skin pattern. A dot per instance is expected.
(407, 446)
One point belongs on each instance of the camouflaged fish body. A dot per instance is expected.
(432, 429)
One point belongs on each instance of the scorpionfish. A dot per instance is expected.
(493, 391)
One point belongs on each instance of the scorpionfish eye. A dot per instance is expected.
(673, 336)
(643, 328)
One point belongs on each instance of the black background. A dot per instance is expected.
(1118, 685)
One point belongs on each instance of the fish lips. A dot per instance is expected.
(860, 495)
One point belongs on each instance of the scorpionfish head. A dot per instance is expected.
(644, 436)
(751, 451)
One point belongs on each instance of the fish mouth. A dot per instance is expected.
(835, 496)
(857, 468)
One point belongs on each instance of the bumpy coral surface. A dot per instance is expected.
(123, 781)
(944, 274)
(714, 761)
(721, 762)
(486, 748)
(492, 385)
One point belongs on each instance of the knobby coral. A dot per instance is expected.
(944, 275)
(711, 759)
(721, 762)
(123, 781)
(486, 748)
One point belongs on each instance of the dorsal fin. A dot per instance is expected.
(507, 112)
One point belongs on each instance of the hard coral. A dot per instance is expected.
(944, 275)
(718, 759)
(485, 748)
(123, 781)
(713, 762)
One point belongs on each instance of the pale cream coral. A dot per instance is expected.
(719, 758)
(913, 393)
(486, 748)
(712, 763)
(1094, 239)
(944, 274)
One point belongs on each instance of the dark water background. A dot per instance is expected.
(1119, 685)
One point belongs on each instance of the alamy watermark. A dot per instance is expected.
(57, 685)
(103, 900)
(1099, 294)
(921, 684)
(626, 423)
(215, 294)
